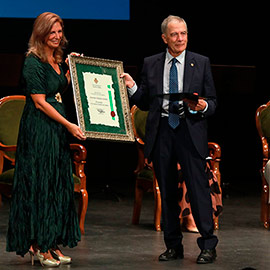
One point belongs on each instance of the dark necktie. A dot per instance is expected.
(173, 105)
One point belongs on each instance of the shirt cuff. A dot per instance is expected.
(206, 107)
(132, 90)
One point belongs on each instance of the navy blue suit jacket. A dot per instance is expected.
(197, 78)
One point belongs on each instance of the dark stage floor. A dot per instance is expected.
(111, 242)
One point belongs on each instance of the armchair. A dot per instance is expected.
(146, 180)
(11, 108)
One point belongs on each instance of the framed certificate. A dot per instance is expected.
(101, 99)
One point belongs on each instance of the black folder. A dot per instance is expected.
(179, 96)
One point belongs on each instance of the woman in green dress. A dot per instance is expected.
(42, 212)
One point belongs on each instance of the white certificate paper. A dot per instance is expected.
(101, 97)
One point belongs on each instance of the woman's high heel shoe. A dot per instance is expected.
(57, 254)
(47, 262)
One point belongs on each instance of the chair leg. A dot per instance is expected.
(137, 204)
(216, 224)
(157, 216)
(265, 207)
(83, 204)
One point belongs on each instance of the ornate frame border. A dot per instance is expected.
(103, 132)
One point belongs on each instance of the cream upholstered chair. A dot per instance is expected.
(145, 176)
(263, 128)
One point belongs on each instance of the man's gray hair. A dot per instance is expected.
(170, 18)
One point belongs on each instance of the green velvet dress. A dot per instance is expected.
(42, 208)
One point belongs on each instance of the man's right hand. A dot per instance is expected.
(128, 80)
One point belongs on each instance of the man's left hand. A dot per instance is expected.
(196, 105)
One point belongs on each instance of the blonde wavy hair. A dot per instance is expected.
(41, 29)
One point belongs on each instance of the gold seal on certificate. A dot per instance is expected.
(100, 98)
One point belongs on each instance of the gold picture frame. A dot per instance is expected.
(101, 99)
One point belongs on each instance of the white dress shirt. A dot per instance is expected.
(180, 63)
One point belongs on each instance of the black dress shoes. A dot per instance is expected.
(171, 254)
(207, 256)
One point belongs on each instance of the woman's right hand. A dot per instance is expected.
(76, 131)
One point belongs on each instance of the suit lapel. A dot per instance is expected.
(189, 69)
(159, 72)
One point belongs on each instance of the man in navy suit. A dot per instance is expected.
(177, 132)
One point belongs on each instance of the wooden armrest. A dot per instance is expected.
(3, 155)
(79, 157)
(8, 148)
(80, 152)
(265, 147)
(214, 151)
(139, 141)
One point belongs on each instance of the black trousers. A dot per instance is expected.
(174, 146)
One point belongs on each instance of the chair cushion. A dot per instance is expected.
(11, 112)
(146, 174)
(7, 177)
(76, 179)
(140, 122)
(265, 123)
